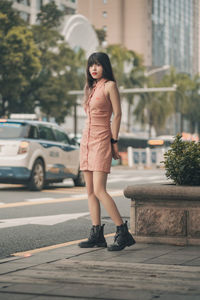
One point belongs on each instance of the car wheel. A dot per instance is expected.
(36, 182)
(79, 180)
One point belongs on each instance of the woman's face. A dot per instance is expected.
(96, 71)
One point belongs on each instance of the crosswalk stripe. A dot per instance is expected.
(55, 200)
(39, 199)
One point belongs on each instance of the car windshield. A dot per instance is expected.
(12, 130)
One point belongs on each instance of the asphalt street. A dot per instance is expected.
(59, 213)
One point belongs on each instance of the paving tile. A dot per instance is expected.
(126, 294)
(11, 296)
(101, 256)
(60, 298)
(165, 261)
(52, 255)
(190, 249)
(8, 259)
(78, 290)
(137, 259)
(53, 298)
(172, 258)
(30, 288)
(178, 297)
(9, 268)
(194, 262)
(5, 284)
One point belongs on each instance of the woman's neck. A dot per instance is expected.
(97, 80)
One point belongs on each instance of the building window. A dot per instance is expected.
(105, 28)
(69, 10)
(24, 2)
(39, 3)
(62, 7)
(105, 1)
(25, 16)
(104, 14)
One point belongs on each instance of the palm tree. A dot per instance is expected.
(181, 97)
(129, 71)
(134, 79)
(153, 109)
(121, 58)
(193, 105)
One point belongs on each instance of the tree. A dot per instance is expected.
(121, 58)
(153, 109)
(50, 16)
(60, 66)
(129, 71)
(134, 79)
(193, 105)
(181, 98)
(19, 59)
(101, 34)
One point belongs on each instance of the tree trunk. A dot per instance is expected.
(129, 117)
(181, 122)
(3, 108)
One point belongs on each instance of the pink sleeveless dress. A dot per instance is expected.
(95, 147)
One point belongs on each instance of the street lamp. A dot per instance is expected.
(156, 70)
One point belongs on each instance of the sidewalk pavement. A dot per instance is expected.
(140, 272)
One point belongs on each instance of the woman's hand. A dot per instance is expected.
(115, 151)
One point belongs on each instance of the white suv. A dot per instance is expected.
(36, 153)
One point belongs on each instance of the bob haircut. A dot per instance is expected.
(102, 59)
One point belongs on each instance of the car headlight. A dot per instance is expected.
(23, 147)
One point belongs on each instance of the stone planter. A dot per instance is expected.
(165, 214)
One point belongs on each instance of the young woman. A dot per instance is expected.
(98, 146)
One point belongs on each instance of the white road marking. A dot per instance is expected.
(39, 199)
(41, 220)
(79, 195)
(138, 178)
(154, 179)
(162, 181)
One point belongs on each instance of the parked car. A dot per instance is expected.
(36, 153)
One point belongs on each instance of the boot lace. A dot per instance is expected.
(116, 237)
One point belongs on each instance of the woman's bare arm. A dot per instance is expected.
(113, 93)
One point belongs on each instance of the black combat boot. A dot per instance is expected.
(122, 238)
(96, 238)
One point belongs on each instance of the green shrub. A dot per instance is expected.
(182, 162)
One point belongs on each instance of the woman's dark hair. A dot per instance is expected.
(102, 59)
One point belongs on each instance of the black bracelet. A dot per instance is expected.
(113, 141)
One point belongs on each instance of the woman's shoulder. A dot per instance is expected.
(110, 85)
(111, 88)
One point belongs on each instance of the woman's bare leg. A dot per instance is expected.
(99, 185)
(93, 202)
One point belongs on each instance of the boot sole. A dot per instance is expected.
(131, 242)
(94, 246)
(102, 245)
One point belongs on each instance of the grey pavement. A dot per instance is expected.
(140, 272)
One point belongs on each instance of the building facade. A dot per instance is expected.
(75, 28)
(30, 8)
(175, 34)
(165, 32)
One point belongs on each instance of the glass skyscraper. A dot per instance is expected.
(174, 34)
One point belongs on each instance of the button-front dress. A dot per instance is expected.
(95, 147)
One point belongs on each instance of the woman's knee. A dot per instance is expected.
(91, 194)
(99, 192)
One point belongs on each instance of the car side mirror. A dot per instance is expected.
(74, 142)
